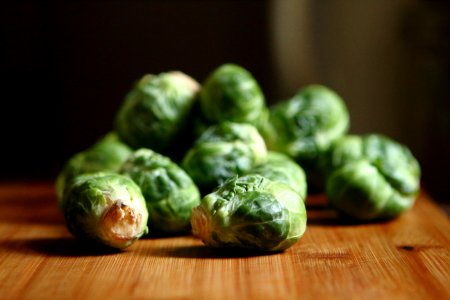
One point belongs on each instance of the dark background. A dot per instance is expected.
(65, 67)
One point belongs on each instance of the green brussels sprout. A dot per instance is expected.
(155, 111)
(222, 151)
(105, 208)
(280, 167)
(107, 154)
(168, 190)
(305, 126)
(371, 177)
(230, 93)
(250, 212)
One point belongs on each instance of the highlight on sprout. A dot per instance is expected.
(231, 93)
(222, 151)
(156, 110)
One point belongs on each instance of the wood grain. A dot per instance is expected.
(407, 258)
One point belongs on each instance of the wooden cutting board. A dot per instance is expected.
(407, 258)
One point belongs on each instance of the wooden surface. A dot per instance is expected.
(407, 258)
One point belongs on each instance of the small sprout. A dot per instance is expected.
(282, 168)
(223, 151)
(168, 190)
(156, 110)
(231, 93)
(305, 126)
(107, 155)
(371, 177)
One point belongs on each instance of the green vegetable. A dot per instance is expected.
(169, 192)
(108, 154)
(250, 212)
(222, 151)
(305, 126)
(105, 208)
(231, 93)
(155, 111)
(280, 167)
(371, 177)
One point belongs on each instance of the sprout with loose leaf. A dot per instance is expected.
(250, 212)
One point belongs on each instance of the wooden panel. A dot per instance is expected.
(407, 258)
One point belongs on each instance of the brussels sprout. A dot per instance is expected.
(222, 151)
(105, 208)
(169, 192)
(155, 111)
(280, 167)
(108, 154)
(250, 212)
(230, 93)
(305, 126)
(371, 177)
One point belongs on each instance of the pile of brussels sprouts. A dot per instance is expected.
(213, 159)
